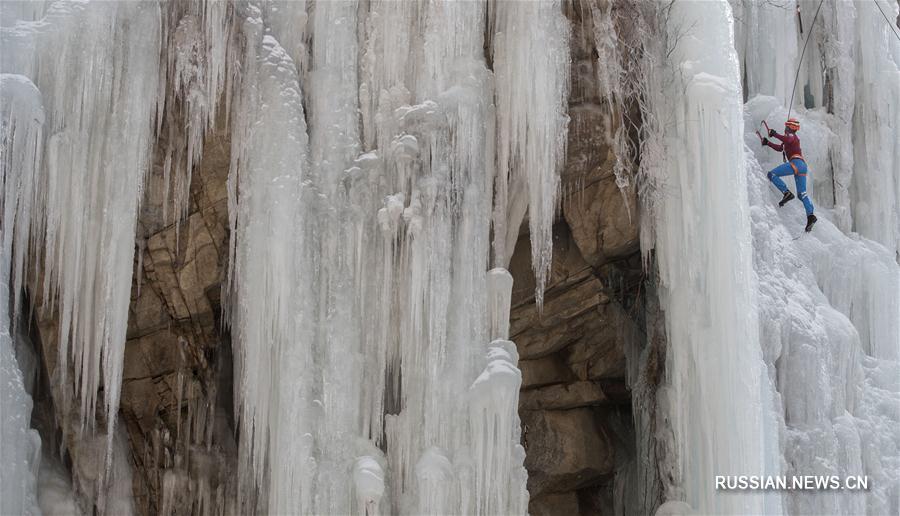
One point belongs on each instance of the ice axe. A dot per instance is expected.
(783, 155)
(767, 131)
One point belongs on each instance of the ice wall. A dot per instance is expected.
(875, 186)
(828, 303)
(362, 192)
(767, 40)
(716, 398)
(20, 446)
(361, 196)
(830, 327)
(531, 66)
(73, 181)
(21, 118)
(830, 308)
(850, 71)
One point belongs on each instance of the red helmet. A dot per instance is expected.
(793, 124)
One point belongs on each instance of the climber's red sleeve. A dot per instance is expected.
(776, 146)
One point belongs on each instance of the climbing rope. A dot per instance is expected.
(802, 53)
(891, 25)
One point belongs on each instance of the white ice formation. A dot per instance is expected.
(383, 157)
(369, 357)
(792, 365)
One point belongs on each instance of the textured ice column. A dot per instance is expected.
(434, 473)
(21, 117)
(838, 30)
(500, 284)
(769, 46)
(875, 190)
(388, 62)
(19, 445)
(273, 262)
(193, 79)
(22, 201)
(714, 391)
(368, 480)
(96, 66)
(334, 144)
(531, 65)
(494, 424)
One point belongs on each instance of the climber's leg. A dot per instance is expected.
(800, 180)
(777, 173)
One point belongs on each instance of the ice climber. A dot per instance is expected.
(795, 164)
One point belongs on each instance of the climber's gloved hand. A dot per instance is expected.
(765, 141)
(772, 132)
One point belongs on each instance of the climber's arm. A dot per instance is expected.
(775, 146)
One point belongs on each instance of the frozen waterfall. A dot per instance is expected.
(382, 159)
(815, 379)
(360, 257)
(361, 200)
(717, 395)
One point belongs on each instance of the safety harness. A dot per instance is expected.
(790, 160)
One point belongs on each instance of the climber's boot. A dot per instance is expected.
(810, 220)
(787, 197)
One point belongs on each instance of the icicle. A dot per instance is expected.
(272, 280)
(500, 284)
(494, 423)
(21, 117)
(21, 183)
(531, 64)
(96, 66)
(194, 80)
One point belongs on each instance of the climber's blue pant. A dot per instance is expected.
(785, 169)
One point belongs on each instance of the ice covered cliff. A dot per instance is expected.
(783, 346)
(382, 158)
(373, 151)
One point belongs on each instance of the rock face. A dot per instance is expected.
(177, 354)
(177, 367)
(177, 385)
(573, 353)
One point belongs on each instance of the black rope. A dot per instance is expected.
(802, 53)
(891, 25)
